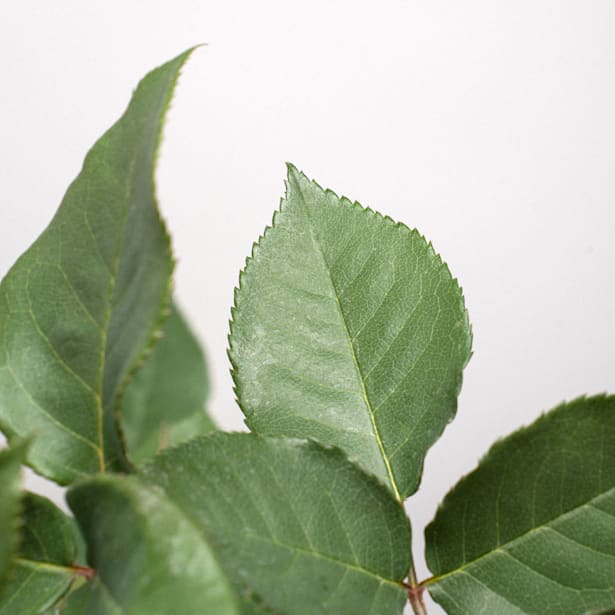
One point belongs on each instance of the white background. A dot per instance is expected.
(490, 126)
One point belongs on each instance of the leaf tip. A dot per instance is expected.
(294, 177)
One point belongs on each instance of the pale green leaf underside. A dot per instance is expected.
(149, 556)
(83, 302)
(11, 460)
(164, 404)
(532, 529)
(349, 329)
(42, 570)
(298, 525)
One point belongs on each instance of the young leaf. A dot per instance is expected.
(349, 329)
(164, 404)
(297, 524)
(166, 564)
(80, 306)
(532, 529)
(43, 570)
(10, 478)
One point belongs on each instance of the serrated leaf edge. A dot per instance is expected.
(435, 256)
(156, 332)
(494, 450)
(307, 443)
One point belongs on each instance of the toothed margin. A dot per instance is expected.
(157, 331)
(505, 441)
(292, 171)
(309, 444)
(122, 454)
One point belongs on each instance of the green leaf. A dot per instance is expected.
(10, 479)
(532, 529)
(296, 524)
(253, 605)
(92, 599)
(349, 329)
(81, 305)
(164, 404)
(43, 570)
(149, 557)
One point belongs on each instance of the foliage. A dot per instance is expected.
(348, 340)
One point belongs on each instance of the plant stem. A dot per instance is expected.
(83, 571)
(80, 571)
(415, 595)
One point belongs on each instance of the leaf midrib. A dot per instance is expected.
(271, 540)
(44, 566)
(518, 539)
(35, 566)
(130, 189)
(198, 527)
(99, 447)
(109, 311)
(353, 354)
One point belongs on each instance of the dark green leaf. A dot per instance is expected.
(532, 529)
(164, 404)
(79, 308)
(10, 479)
(149, 557)
(253, 605)
(43, 569)
(93, 599)
(348, 328)
(297, 524)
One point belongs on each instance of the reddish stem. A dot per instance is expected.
(415, 594)
(83, 571)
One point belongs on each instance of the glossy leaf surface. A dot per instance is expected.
(149, 556)
(296, 524)
(42, 571)
(532, 529)
(84, 301)
(10, 479)
(349, 329)
(164, 404)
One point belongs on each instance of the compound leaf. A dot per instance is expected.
(349, 329)
(166, 564)
(80, 306)
(164, 404)
(298, 525)
(532, 529)
(11, 460)
(43, 569)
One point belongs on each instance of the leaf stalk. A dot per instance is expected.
(415, 595)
